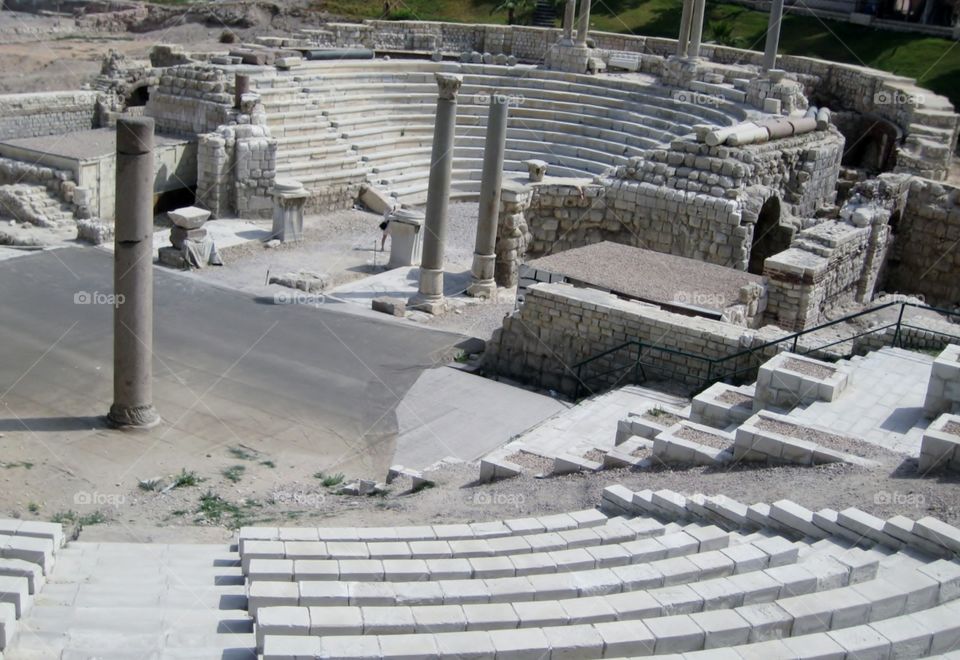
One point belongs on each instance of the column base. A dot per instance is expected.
(133, 417)
(482, 289)
(430, 304)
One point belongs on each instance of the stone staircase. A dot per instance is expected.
(544, 14)
(34, 204)
(650, 573)
(114, 601)
(28, 553)
(642, 428)
(352, 122)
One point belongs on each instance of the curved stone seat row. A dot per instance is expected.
(614, 530)
(28, 552)
(779, 578)
(450, 532)
(368, 108)
(813, 601)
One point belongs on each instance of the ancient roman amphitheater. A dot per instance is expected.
(720, 267)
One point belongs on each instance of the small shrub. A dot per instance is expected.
(234, 473)
(185, 479)
(229, 37)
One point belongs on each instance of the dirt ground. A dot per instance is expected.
(891, 488)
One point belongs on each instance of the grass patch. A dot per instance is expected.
(26, 465)
(186, 479)
(330, 480)
(234, 473)
(269, 464)
(33, 507)
(243, 453)
(70, 516)
(214, 509)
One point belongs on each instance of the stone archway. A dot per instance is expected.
(770, 237)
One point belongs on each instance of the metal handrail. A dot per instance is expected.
(714, 374)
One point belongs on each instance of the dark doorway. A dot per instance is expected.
(769, 237)
(174, 199)
(138, 97)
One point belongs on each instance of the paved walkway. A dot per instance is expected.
(591, 423)
(131, 601)
(883, 402)
(449, 412)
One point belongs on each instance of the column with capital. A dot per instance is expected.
(429, 296)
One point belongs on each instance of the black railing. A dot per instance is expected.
(640, 359)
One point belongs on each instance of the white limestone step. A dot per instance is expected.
(629, 542)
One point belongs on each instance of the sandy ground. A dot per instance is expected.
(891, 488)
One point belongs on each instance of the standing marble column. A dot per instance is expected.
(484, 254)
(583, 26)
(430, 294)
(569, 18)
(696, 28)
(773, 35)
(683, 40)
(133, 277)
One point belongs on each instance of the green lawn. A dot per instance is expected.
(935, 63)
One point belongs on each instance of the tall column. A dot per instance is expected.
(133, 277)
(773, 35)
(583, 26)
(683, 40)
(430, 294)
(484, 254)
(696, 28)
(569, 18)
(241, 86)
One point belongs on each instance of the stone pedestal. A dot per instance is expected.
(133, 277)
(289, 197)
(429, 297)
(404, 230)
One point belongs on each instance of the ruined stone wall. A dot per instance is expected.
(927, 239)
(191, 99)
(691, 200)
(559, 325)
(829, 265)
(47, 113)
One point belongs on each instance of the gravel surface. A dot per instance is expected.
(703, 438)
(829, 440)
(735, 398)
(808, 368)
(661, 416)
(595, 455)
(534, 462)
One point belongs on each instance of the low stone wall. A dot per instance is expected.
(926, 259)
(46, 113)
(559, 326)
(829, 265)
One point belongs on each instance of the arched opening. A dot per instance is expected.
(769, 236)
(871, 144)
(174, 199)
(138, 97)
